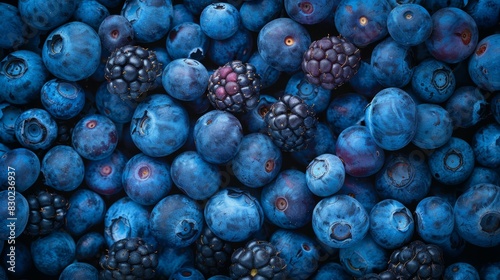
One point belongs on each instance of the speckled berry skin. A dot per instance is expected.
(36, 129)
(220, 20)
(71, 44)
(52, 253)
(391, 224)
(466, 106)
(482, 63)
(159, 126)
(366, 256)
(176, 221)
(476, 211)
(146, 180)
(340, 221)
(25, 162)
(105, 176)
(325, 175)
(409, 24)
(486, 145)
(63, 100)
(434, 219)
(58, 158)
(21, 215)
(453, 162)
(94, 137)
(87, 209)
(433, 81)
(187, 40)
(46, 15)
(233, 214)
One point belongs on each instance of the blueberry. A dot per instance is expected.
(8, 116)
(254, 120)
(454, 245)
(170, 259)
(466, 106)
(3, 149)
(345, 110)
(356, 147)
(233, 214)
(434, 219)
(220, 20)
(79, 270)
(409, 24)
(476, 213)
(433, 81)
(282, 43)
(323, 142)
(24, 260)
(91, 12)
(25, 167)
(453, 162)
(63, 168)
(181, 15)
(63, 100)
(480, 175)
(391, 118)
(486, 145)
(313, 95)
(11, 27)
(187, 273)
(331, 270)
(435, 5)
(117, 109)
(72, 51)
(146, 180)
(287, 201)
(490, 271)
(187, 40)
(46, 15)
(258, 161)
(391, 224)
(309, 12)
(485, 13)
(255, 14)
(150, 19)
(13, 221)
(362, 189)
(105, 176)
(54, 252)
(86, 209)
(340, 221)
(89, 246)
(434, 126)
(365, 82)
(481, 64)
(325, 175)
(22, 74)
(115, 31)
(94, 137)
(159, 125)
(237, 47)
(363, 257)
(392, 63)
(176, 221)
(460, 271)
(185, 79)
(269, 75)
(218, 136)
(36, 129)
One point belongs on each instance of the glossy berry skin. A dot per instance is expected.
(91, 12)
(306, 12)
(480, 175)
(481, 64)
(364, 257)
(63, 100)
(23, 74)
(356, 147)
(176, 221)
(89, 246)
(340, 221)
(362, 189)
(52, 253)
(217, 136)
(185, 79)
(187, 273)
(71, 44)
(254, 120)
(115, 31)
(362, 22)
(391, 118)
(269, 75)
(10, 113)
(486, 145)
(159, 125)
(282, 43)
(12, 27)
(151, 20)
(233, 214)
(21, 215)
(36, 129)
(21, 161)
(58, 158)
(485, 13)
(345, 110)
(171, 259)
(146, 180)
(187, 40)
(87, 209)
(453, 162)
(479, 226)
(194, 176)
(454, 35)
(325, 175)
(105, 176)
(299, 251)
(392, 63)
(461, 271)
(125, 218)
(403, 178)
(313, 95)
(365, 82)
(181, 15)
(220, 20)
(258, 161)
(409, 24)
(434, 219)
(79, 270)
(237, 47)
(433, 81)
(466, 106)
(94, 137)
(117, 109)
(255, 14)
(287, 201)
(391, 224)
(46, 15)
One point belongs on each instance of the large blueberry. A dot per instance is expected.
(254, 120)
(433, 81)
(89, 246)
(220, 20)
(345, 110)
(365, 82)
(176, 221)
(322, 142)
(363, 257)
(453, 162)
(313, 95)
(36, 129)
(105, 176)
(87, 209)
(480, 175)
(62, 99)
(63, 168)
(434, 219)
(187, 273)
(52, 253)
(340, 221)
(466, 106)
(486, 145)
(237, 47)
(310, 12)
(187, 40)
(362, 189)
(72, 51)
(325, 175)
(185, 79)
(170, 259)
(115, 31)
(392, 63)
(269, 75)
(255, 14)
(79, 270)
(91, 12)
(391, 224)
(11, 27)
(159, 126)
(46, 15)
(94, 137)
(331, 270)
(117, 109)
(14, 214)
(434, 126)
(461, 270)
(482, 63)
(21, 169)
(233, 214)
(8, 116)
(150, 19)
(409, 24)
(23, 260)
(181, 14)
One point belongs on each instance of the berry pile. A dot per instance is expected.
(283, 139)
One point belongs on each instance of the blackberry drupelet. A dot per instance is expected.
(131, 71)
(291, 123)
(331, 62)
(129, 258)
(47, 212)
(257, 260)
(234, 87)
(417, 260)
(213, 255)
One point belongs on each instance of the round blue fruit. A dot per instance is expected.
(346, 110)
(392, 63)
(14, 214)
(117, 109)
(325, 175)
(89, 246)
(46, 15)
(365, 82)
(466, 106)
(309, 12)
(185, 79)
(11, 28)
(63, 168)
(315, 96)
(8, 117)
(433, 81)
(52, 253)
(105, 176)
(362, 189)
(255, 119)
(331, 270)
(72, 51)
(25, 167)
(453, 162)
(237, 47)
(255, 14)
(87, 209)
(79, 270)
(434, 219)
(482, 63)
(62, 99)
(434, 126)
(220, 20)
(340, 221)
(486, 145)
(36, 129)
(94, 137)
(187, 40)
(269, 75)
(391, 224)
(187, 273)
(363, 257)
(409, 24)
(91, 12)
(461, 271)
(115, 31)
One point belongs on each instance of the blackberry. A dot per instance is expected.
(47, 212)
(131, 71)
(417, 260)
(330, 62)
(291, 123)
(129, 258)
(257, 260)
(234, 87)
(213, 255)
